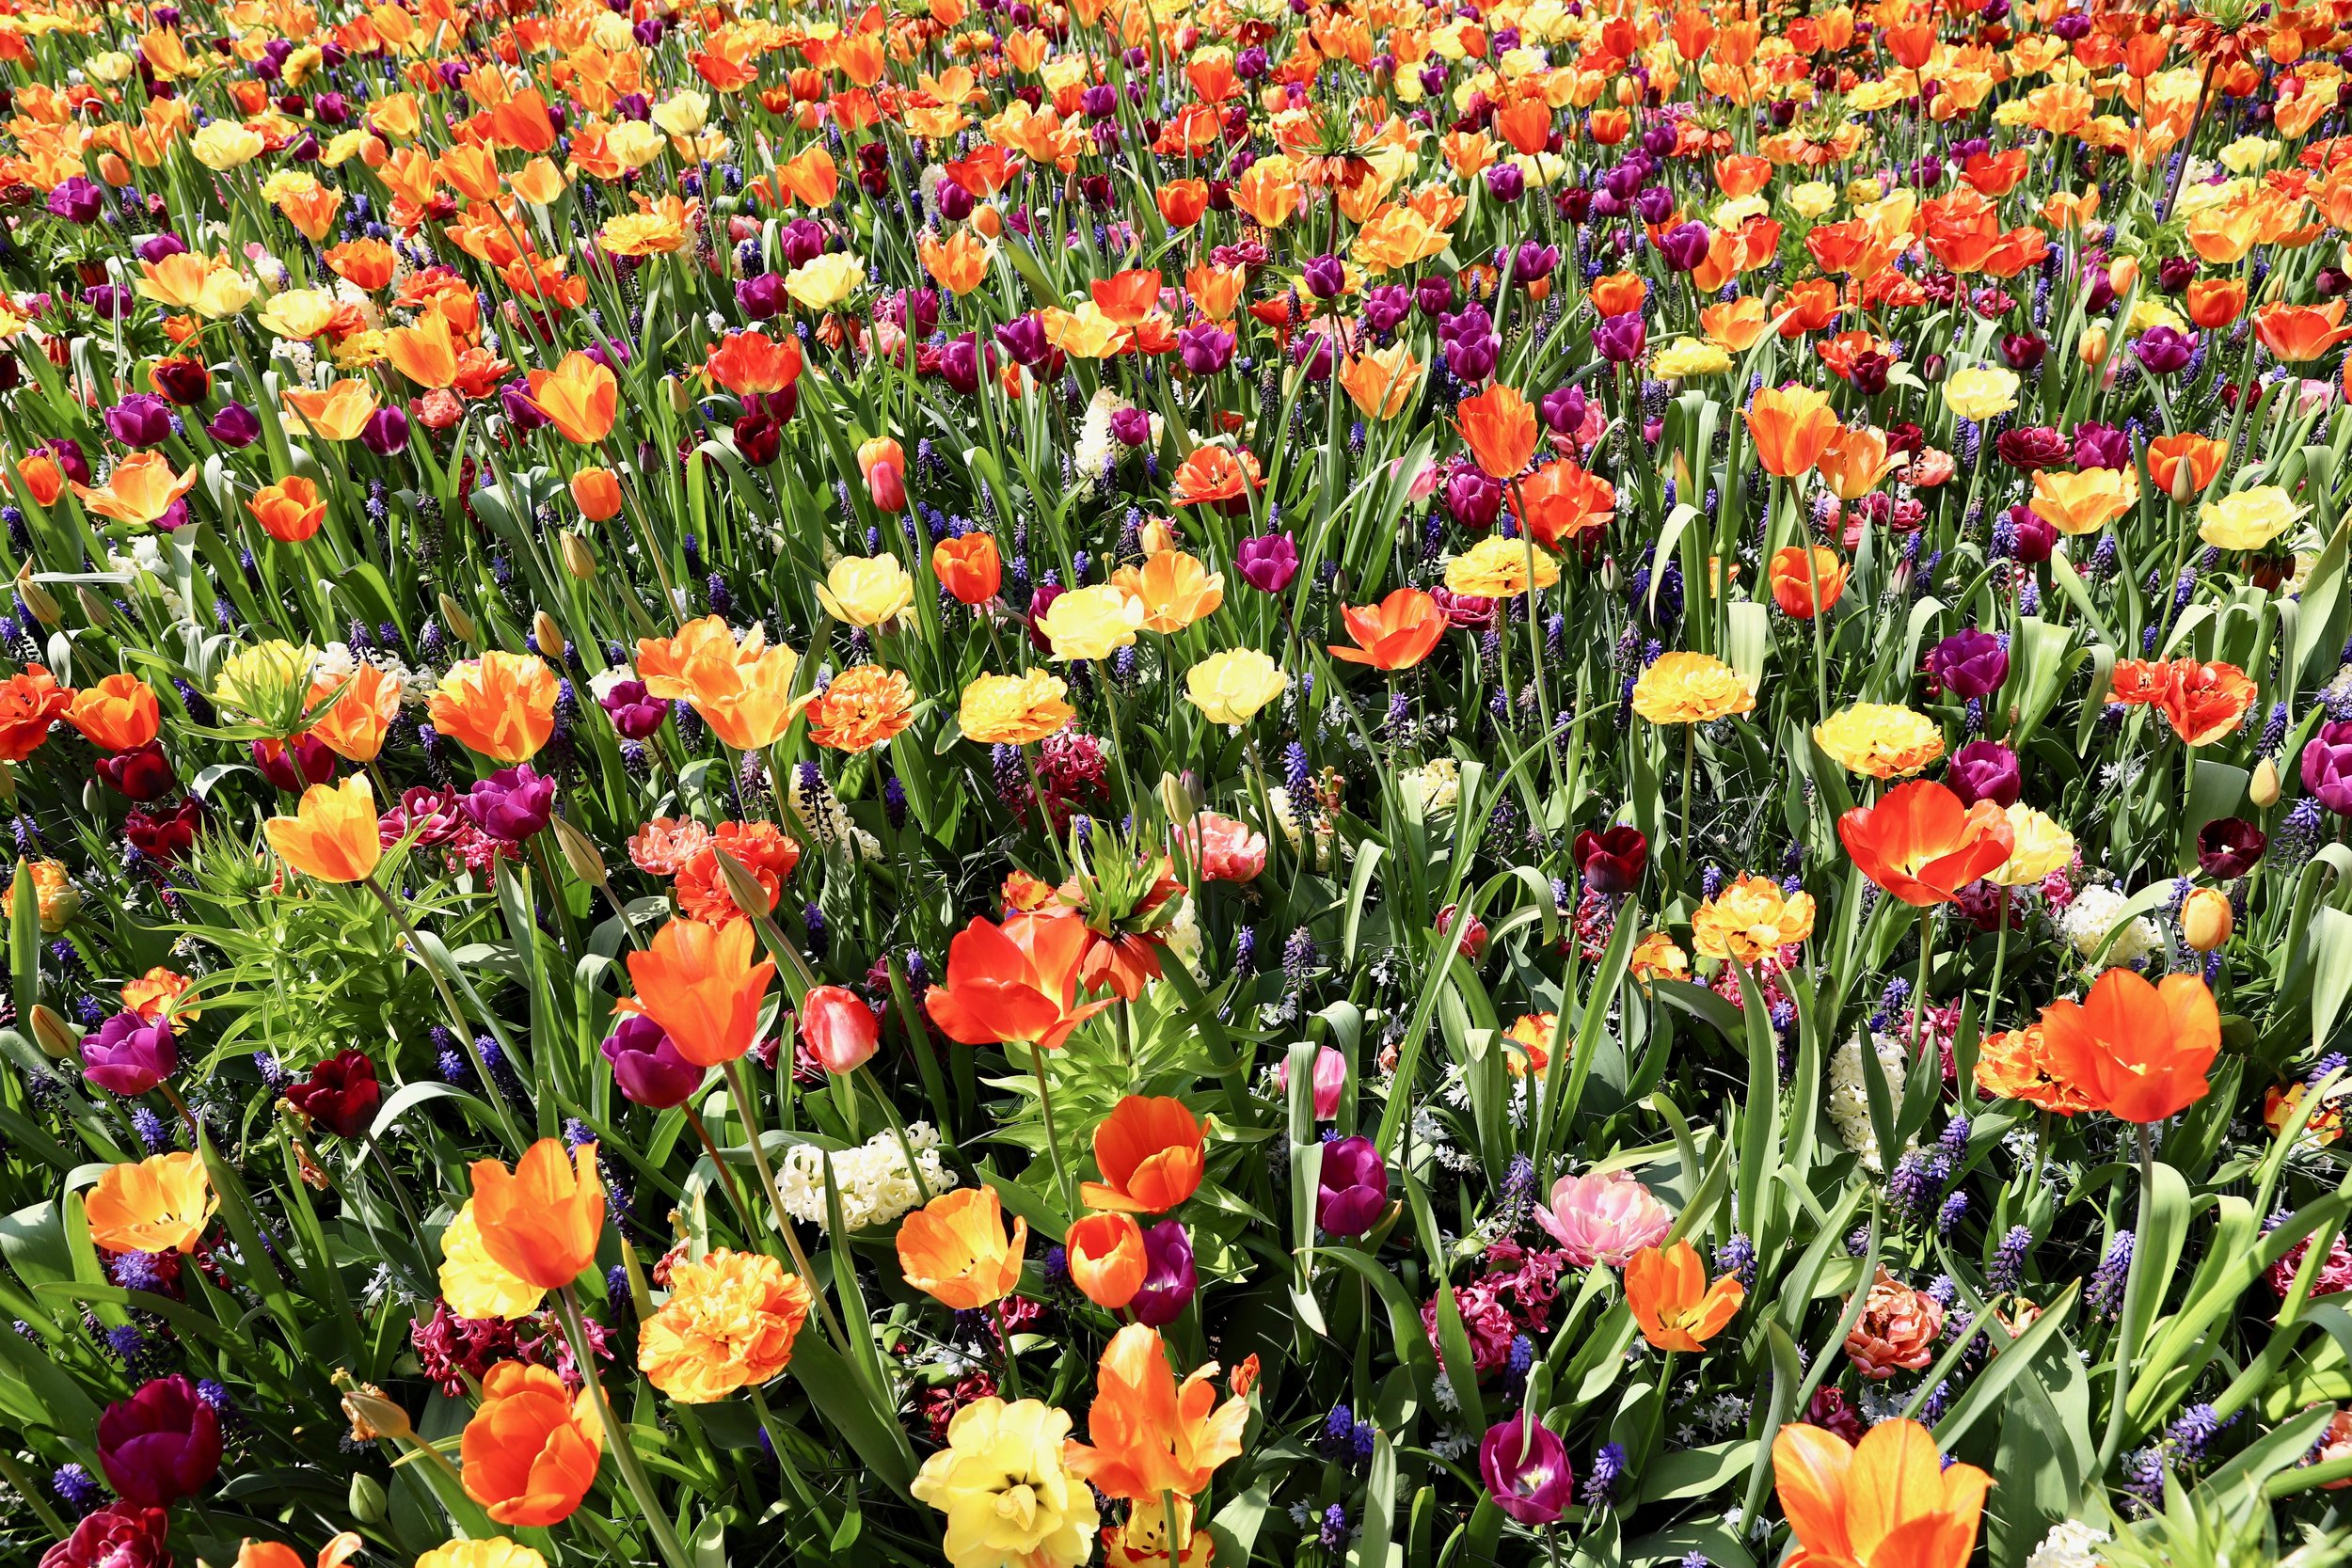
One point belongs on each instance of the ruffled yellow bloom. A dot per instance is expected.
(225, 144)
(2040, 846)
(866, 591)
(1091, 623)
(1231, 687)
(472, 1282)
(1008, 1497)
(1981, 391)
(1658, 957)
(1881, 740)
(1013, 710)
(729, 1323)
(1497, 568)
(2248, 519)
(491, 1551)
(1689, 688)
(1751, 919)
(1688, 356)
(825, 283)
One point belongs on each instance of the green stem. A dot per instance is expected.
(1052, 1143)
(2132, 1281)
(617, 1439)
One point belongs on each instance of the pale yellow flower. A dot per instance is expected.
(472, 1283)
(866, 591)
(1231, 687)
(1091, 623)
(2042, 846)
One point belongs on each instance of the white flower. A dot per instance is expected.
(872, 1179)
(1850, 1100)
(2094, 913)
(601, 684)
(2069, 1543)
(1437, 785)
(334, 663)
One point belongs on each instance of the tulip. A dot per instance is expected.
(699, 984)
(2229, 847)
(1970, 664)
(540, 1221)
(1330, 1080)
(1352, 1192)
(954, 1249)
(2206, 919)
(295, 766)
(1526, 1470)
(1106, 1258)
(1604, 1218)
(1017, 982)
(512, 804)
(127, 1054)
(970, 569)
(1612, 859)
(647, 1067)
(2137, 1051)
(1152, 1153)
(1887, 1501)
(1267, 562)
(160, 1444)
(143, 773)
(1170, 1279)
(840, 1028)
(2328, 768)
(341, 1094)
(332, 834)
(1672, 1302)
(1922, 845)
(531, 1452)
(121, 1535)
(1985, 770)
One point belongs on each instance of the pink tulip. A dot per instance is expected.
(840, 1028)
(1330, 1077)
(1227, 850)
(1603, 1219)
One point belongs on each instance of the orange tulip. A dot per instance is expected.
(1791, 427)
(1500, 426)
(969, 568)
(2184, 463)
(1149, 1150)
(426, 353)
(1014, 982)
(2215, 305)
(339, 413)
(1921, 844)
(597, 494)
(699, 983)
(748, 363)
(1670, 1298)
(540, 1221)
(2204, 701)
(1396, 634)
(1888, 1501)
(141, 489)
(332, 834)
(1106, 1258)
(581, 397)
(354, 725)
(1183, 201)
(742, 690)
(30, 703)
(159, 1204)
(1619, 294)
(2300, 332)
(532, 1450)
(288, 511)
(2137, 1051)
(118, 713)
(1805, 590)
(42, 479)
(953, 1249)
(271, 1554)
(1562, 500)
(501, 706)
(1149, 1435)
(1855, 461)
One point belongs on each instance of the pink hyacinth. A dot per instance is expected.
(1603, 1219)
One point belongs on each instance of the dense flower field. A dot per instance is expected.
(1191, 781)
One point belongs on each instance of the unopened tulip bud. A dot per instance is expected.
(97, 612)
(54, 1035)
(1180, 797)
(681, 399)
(580, 852)
(460, 624)
(548, 636)
(366, 1502)
(2205, 919)
(1156, 537)
(578, 560)
(2124, 274)
(743, 886)
(37, 599)
(2263, 788)
(2183, 484)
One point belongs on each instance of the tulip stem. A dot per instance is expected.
(1689, 748)
(2133, 1279)
(1003, 1334)
(617, 1440)
(775, 1201)
(1052, 1143)
(726, 1176)
(187, 1119)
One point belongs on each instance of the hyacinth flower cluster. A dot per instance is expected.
(1035, 782)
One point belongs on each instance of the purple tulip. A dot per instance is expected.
(1506, 183)
(1206, 349)
(647, 1067)
(801, 241)
(1168, 1277)
(1267, 562)
(1654, 205)
(1621, 340)
(2101, 446)
(1024, 339)
(141, 420)
(1526, 1470)
(1433, 294)
(511, 804)
(1684, 246)
(128, 1055)
(632, 712)
(2229, 847)
(1985, 770)
(960, 361)
(1131, 427)
(386, 433)
(155, 247)
(1971, 664)
(77, 200)
(160, 1444)
(1386, 308)
(522, 413)
(185, 382)
(1533, 263)
(1354, 1188)
(1325, 276)
(761, 298)
(234, 426)
(109, 302)
(1472, 499)
(1563, 410)
(2164, 349)
(2328, 768)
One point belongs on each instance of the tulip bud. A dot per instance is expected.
(460, 624)
(548, 636)
(2183, 484)
(1181, 797)
(374, 1416)
(1157, 537)
(681, 400)
(580, 561)
(2094, 347)
(367, 1503)
(580, 852)
(53, 1033)
(2263, 789)
(2124, 274)
(97, 612)
(37, 599)
(2205, 919)
(743, 886)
